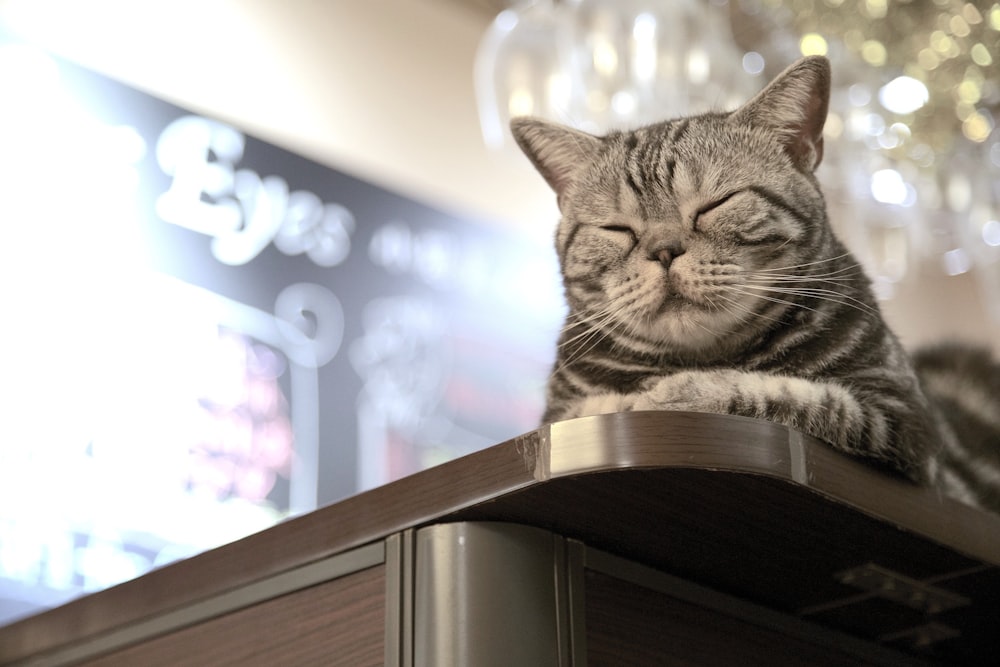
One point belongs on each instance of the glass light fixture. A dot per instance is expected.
(604, 64)
(519, 69)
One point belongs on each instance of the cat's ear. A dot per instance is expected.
(557, 151)
(794, 106)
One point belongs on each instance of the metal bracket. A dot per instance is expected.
(922, 636)
(901, 589)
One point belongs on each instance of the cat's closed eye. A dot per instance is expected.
(709, 208)
(621, 229)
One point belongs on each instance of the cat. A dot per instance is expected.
(962, 383)
(701, 274)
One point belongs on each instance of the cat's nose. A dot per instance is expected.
(665, 255)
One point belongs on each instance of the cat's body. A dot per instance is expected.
(962, 384)
(702, 274)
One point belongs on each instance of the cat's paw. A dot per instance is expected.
(602, 404)
(689, 391)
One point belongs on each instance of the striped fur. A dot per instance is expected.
(963, 385)
(701, 274)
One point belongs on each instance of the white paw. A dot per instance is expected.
(602, 404)
(687, 391)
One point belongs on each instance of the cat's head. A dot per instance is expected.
(675, 232)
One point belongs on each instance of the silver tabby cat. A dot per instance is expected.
(702, 274)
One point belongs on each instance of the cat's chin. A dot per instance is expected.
(686, 326)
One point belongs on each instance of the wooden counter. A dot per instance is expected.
(637, 538)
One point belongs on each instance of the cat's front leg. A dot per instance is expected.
(826, 410)
(697, 391)
(687, 391)
(854, 419)
(693, 391)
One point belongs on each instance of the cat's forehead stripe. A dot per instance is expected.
(630, 179)
(679, 128)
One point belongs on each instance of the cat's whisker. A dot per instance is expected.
(585, 319)
(569, 359)
(588, 334)
(830, 286)
(710, 332)
(844, 279)
(808, 264)
(742, 308)
(805, 290)
(730, 306)
(818, 293)
(712, 305)
(785, 302)
(591, 337)
(831, 277)
(586, 325)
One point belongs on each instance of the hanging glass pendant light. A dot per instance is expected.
(603, 64)
(519, 70)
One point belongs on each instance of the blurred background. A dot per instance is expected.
(258, 256)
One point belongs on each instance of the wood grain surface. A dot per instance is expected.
(335, 623)
(656, 630)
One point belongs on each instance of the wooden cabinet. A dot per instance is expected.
(639, 539)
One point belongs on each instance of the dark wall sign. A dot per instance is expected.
(226, 332)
